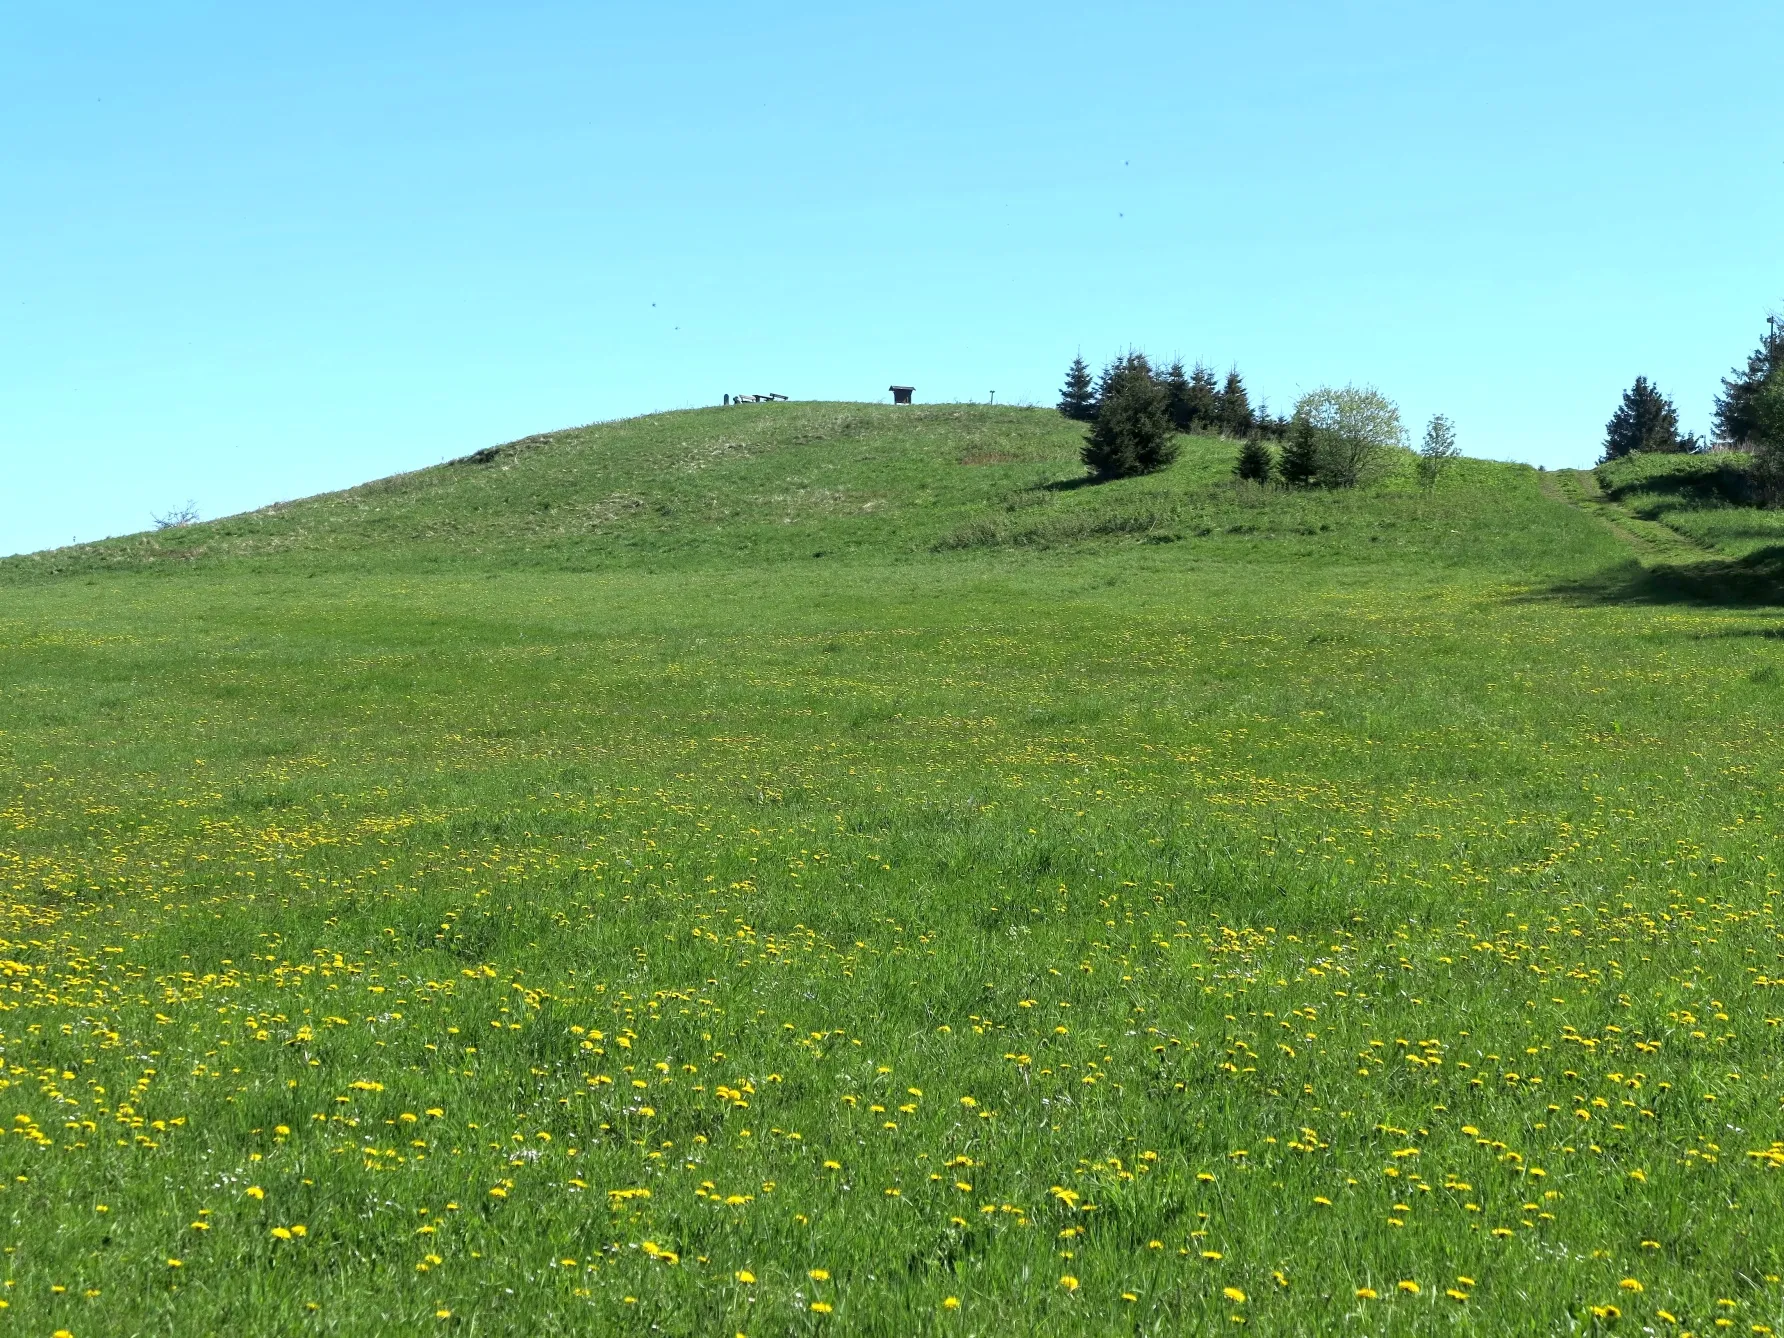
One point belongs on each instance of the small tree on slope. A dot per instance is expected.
(1735, 406)
(1255, 461)
(1438, 452)
(1075, 398)
(1132, 432)
(1179, 397)
(1765, 435)
(1299, 464)
(1353, 427)
(1644, 421)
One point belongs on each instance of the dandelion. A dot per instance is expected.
(1322, 1200)
(1631, 1285)
(819, 1275)
(745, 1276)
(1069, 1282)
(1233, 1294)
(950, 1303)
(1366, 1293)
(1408, 1286)
(442, 1313)
(821, 1307)
(1213, 1255)
(256, 1192)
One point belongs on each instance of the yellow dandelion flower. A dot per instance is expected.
(442, 1313)
(819, 1275)
(1211, 1254)
(281, 1233)
(745, 1276)
(256, 1192)
(1322, 1200)
(950, 1303)
(1631, 1285)
(1408, 1286)
(1233, 1294)
(1366, 1293)
(821, 1307)
(1069, 1282)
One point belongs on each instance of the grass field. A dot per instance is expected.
(816, 869)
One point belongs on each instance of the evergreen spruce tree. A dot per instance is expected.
(1132, 432)
(1644, 421)
(1735, 406)
(1299, 463)
(1179, 397)
(1255, 461)
(1204, 401)
(1075, 398)
(1235, 406)
(1765, 436)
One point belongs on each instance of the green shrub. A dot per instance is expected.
(1255, 462)
(1132, 432)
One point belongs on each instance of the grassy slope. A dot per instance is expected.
(1217, 873)
(1705, 497)
(724, 488)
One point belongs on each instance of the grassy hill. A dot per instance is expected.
(817, 868)
(756, 484)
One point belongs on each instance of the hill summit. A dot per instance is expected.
(768, 483)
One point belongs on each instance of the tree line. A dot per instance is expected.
(1749, 416)
(1337, 437)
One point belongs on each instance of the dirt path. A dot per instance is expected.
(1651, 540)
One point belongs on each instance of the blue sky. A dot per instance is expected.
(249, 253)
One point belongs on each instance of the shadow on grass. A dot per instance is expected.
(1072, 484)
(1756, 580)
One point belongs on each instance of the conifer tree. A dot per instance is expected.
(1735, 417)
(1132, 432)
(1644, 421)
(1179, 397)
(1204, 401)
(1255, 461)
(1299, 463)
(1235, 406)
(1075, 398)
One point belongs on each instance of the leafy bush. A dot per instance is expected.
(1345, 433)
(1439, 451)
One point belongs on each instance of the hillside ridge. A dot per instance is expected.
(769, 483)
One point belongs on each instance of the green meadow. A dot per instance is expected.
(823, 869)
